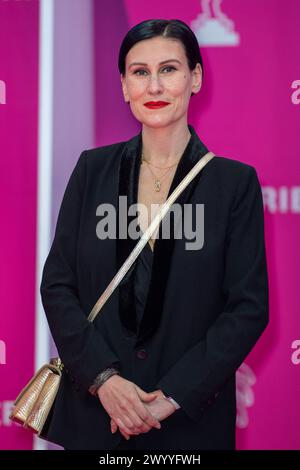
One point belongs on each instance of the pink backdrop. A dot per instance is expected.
(18, 192)
(248, 109)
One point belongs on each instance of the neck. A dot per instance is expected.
(164, 146)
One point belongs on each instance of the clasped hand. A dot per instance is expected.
(131, 409)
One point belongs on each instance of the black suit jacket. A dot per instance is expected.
(205, 308)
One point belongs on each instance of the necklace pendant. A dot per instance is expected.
(157, 185)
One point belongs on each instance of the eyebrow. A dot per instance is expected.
(161, 63)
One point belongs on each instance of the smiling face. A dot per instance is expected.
(157, 70)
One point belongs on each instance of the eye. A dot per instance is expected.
(137, 71)
(143, 70)
(169, 67)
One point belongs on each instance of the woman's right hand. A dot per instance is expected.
(123, 401)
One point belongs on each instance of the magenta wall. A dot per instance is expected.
(18, 192)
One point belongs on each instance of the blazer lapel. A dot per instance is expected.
(163, 248)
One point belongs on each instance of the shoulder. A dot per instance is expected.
(102, 160)
(232, 168)
(103, 151)
(233, 181)
(99, 155)
(233, 174)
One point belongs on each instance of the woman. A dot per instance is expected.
(156, 370)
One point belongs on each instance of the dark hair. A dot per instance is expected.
(175, 29)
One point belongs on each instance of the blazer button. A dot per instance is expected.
(141, 354)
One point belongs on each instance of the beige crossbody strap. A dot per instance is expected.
(147, 235)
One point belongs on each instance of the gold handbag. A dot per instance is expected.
(34, 403)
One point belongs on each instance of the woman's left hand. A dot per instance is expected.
(160, 408)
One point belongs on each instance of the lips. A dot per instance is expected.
(156, 104)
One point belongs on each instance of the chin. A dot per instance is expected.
(156, 124)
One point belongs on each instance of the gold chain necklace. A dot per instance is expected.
(158, 181)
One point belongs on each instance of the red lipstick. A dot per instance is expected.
(156, 104)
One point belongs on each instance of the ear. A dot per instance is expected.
(124, 88)
(197, 78)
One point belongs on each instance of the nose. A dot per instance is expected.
(154, 84)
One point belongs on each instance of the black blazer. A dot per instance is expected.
(205, 308)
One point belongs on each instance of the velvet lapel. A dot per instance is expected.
(162, 255)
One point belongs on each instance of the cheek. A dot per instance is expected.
(135, 89)
(179, 87)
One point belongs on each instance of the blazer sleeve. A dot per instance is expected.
(195, 380)
(81, 346)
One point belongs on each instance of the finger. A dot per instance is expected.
(113, 426)
(142, 411)
(147, 417)
(159, 393)
(127, 413)
(149, 397)
(140, 426)
(144, 396)
(125, 434)
(123, 427)
(130, 420)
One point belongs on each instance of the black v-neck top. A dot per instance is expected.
(142, 276)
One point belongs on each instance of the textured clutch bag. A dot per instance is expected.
(33, 404)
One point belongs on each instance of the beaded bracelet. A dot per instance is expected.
(101, 378)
